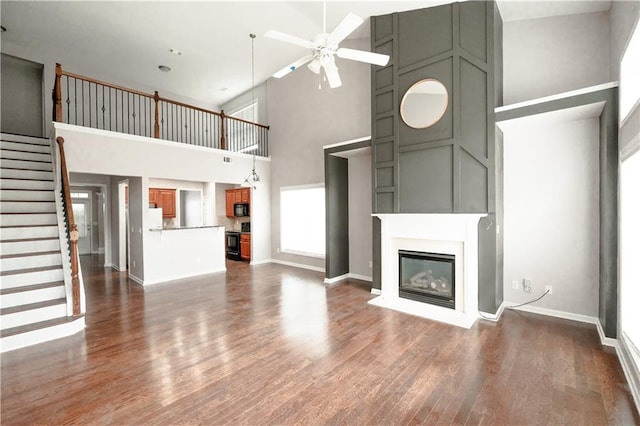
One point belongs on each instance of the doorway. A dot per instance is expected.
(82, 214)
(123, 225)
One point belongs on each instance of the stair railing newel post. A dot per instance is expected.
(57, 95)
(223, 139)
(73, 229)
(156, 124)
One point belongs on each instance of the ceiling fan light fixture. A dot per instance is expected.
(315, 66)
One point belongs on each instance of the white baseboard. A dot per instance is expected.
(297, 265)
(606, 341)
(116, 267)
(136, 279)
(631, 367)
(260, 262)
(361, 277)
(336, 279)
(346, 276)
(493, 317)
(376, 291)
(168, 279)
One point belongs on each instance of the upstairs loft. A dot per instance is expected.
(87, 102)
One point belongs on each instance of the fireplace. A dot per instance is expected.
(427, 277)
(454, 237)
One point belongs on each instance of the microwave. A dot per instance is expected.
(241, 209)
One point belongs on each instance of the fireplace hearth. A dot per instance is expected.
(427, 277)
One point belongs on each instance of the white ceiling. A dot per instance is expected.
(127, 41)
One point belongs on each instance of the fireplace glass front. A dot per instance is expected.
(427, 277)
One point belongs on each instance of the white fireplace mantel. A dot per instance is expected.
(455, 234)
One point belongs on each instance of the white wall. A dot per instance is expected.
(360, 228)
(551, 223)
(303, 119)
(553, 55)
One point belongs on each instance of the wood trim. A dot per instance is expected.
(156, 123)
(223, 131)
(73, 229)
(57, 95)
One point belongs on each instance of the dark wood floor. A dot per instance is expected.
(271, 344)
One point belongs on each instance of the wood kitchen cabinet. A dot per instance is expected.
(165, 199)
(245, 246)
(245, 195)
(237, 195)
(230, 195)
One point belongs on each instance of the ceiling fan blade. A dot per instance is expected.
(344, 28)
(363, 56)
(277, 35)
(293, 66)
(331, 71)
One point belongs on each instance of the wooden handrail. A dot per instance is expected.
(58, 111)
(104, 83)
(247, 121)
(208, 111)
(73, 229)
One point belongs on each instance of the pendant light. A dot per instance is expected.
(253, 177)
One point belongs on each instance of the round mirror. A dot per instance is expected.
(424, 103)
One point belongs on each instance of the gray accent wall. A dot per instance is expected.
(337, 215)
(448, 167)
(451, 166)
(21, 109)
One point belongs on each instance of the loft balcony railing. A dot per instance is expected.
(87, 102)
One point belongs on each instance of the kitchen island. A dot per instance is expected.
(176, 253)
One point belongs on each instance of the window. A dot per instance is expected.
(79, 195)
(302, 220)
(629, 72)
(629, 249)
(243, 137)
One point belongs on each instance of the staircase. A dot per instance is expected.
(33, 296)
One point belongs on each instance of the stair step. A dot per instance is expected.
(45, 331)
(16, 219)
(27, 195)
(13, 173)
(28, 184)
(25, 164)
(13, 206)
(14, 233)
(26, 147)
(31, 294)
(29, 245)
(8, 137)
(16, 316)
(12, 154)
(28, 207)
(31, 276)
(18, 262)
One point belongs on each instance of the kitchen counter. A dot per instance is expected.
(180, 228)
(194, 251)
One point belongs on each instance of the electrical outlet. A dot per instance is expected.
(134, 263)
(515, 284)
(526, 285)
(549, 289)
(370, 264)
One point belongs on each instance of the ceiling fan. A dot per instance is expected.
(325, 47)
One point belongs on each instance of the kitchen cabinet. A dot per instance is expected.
(230, 195)
(245, 195)
(237, 195)
(165, 199)
(245, 246)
